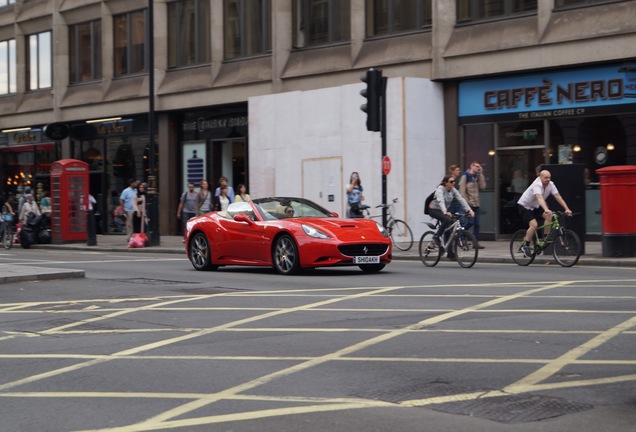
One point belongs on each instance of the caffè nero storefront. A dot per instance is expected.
(584, 117)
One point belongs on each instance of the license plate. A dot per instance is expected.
(366, 260)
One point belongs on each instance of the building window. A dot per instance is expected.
(564, 4)
(483, 10)
(85, 51)
(188, 33)
(39, 61)
(130, 46)
(247, 26)
(7, 67)
(386, 17)
(321, 22)
(6, 2)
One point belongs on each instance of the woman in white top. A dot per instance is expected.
(222, 201)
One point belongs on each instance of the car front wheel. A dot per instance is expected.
(200, 254)
(285, 256)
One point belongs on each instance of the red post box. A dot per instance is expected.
(618, 206)
(69, 200)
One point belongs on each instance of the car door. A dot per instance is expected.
(245, 241)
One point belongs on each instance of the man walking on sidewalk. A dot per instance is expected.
(470, 183)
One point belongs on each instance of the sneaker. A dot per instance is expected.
(478, 246)
(526, 250)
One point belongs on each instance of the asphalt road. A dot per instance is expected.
(144, 342)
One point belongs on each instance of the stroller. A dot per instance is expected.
(36, 229)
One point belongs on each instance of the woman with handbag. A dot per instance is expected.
(138, 237)
(354, 195)
(205, 199)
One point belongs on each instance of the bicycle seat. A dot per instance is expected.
(364, 207)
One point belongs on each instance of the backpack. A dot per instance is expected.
(427, 202)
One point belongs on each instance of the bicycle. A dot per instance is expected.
(7, 233)
(460, 245)
(566, 244)
(399, 231)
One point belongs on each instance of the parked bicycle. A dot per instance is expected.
(460, 244)
(399, 231)
(566, 245)
(7, 233)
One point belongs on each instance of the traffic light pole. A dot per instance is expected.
(383, 135)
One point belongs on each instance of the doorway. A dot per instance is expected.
(517, 170)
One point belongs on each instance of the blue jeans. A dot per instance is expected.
(474, 223)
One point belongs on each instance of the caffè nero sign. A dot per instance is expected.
(555, 94)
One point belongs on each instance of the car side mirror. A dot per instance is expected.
(243, 218)
(334, 214)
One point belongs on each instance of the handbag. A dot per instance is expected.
(138, 240)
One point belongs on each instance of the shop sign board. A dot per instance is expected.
(554, 94)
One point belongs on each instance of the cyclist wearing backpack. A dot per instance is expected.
(438, 208)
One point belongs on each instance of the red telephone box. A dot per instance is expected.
(69, 200)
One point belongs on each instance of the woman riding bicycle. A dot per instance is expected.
(444, 196)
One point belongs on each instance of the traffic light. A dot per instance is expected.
(373, 92)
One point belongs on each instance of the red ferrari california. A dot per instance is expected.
(289, 234)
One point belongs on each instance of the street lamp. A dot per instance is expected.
(153, 238)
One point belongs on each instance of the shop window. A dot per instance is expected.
(320, 22)
(39, 61)
(516, 134)
(483, 10)
(247, 27)
(7, 67)
(130, 46)
(188, 33)
(386, 17)
(85, 51)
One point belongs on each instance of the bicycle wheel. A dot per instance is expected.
(430, 253)
(566, 248)
(401, 234)
(516, 251)
(464, 247)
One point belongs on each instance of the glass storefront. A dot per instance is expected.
(512, 125)
(115, 152)
(26, 166)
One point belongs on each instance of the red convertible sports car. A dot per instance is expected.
(288, 234)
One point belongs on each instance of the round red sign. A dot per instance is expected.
(386, 165)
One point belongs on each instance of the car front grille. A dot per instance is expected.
(363, 249)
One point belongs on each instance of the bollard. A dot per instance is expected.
(91, 234)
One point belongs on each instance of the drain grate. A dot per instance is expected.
(514, 408)
(503, 409)
(149, 281)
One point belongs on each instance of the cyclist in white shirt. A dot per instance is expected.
(533, 205)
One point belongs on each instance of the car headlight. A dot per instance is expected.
(382, 230)
(313, 232)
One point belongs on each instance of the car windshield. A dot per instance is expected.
(283, 208)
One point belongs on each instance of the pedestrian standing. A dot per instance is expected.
(354, 191)
(126, 200)
(455, 172)
(470, 183)
(204, 199)
(230, 191)
(187, 206)
(241, 194)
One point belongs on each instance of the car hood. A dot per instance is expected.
(346, 229)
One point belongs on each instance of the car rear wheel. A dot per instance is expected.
(372, 268)
(200, 254)
(285, 256)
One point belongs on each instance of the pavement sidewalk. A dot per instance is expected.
(494, 252)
